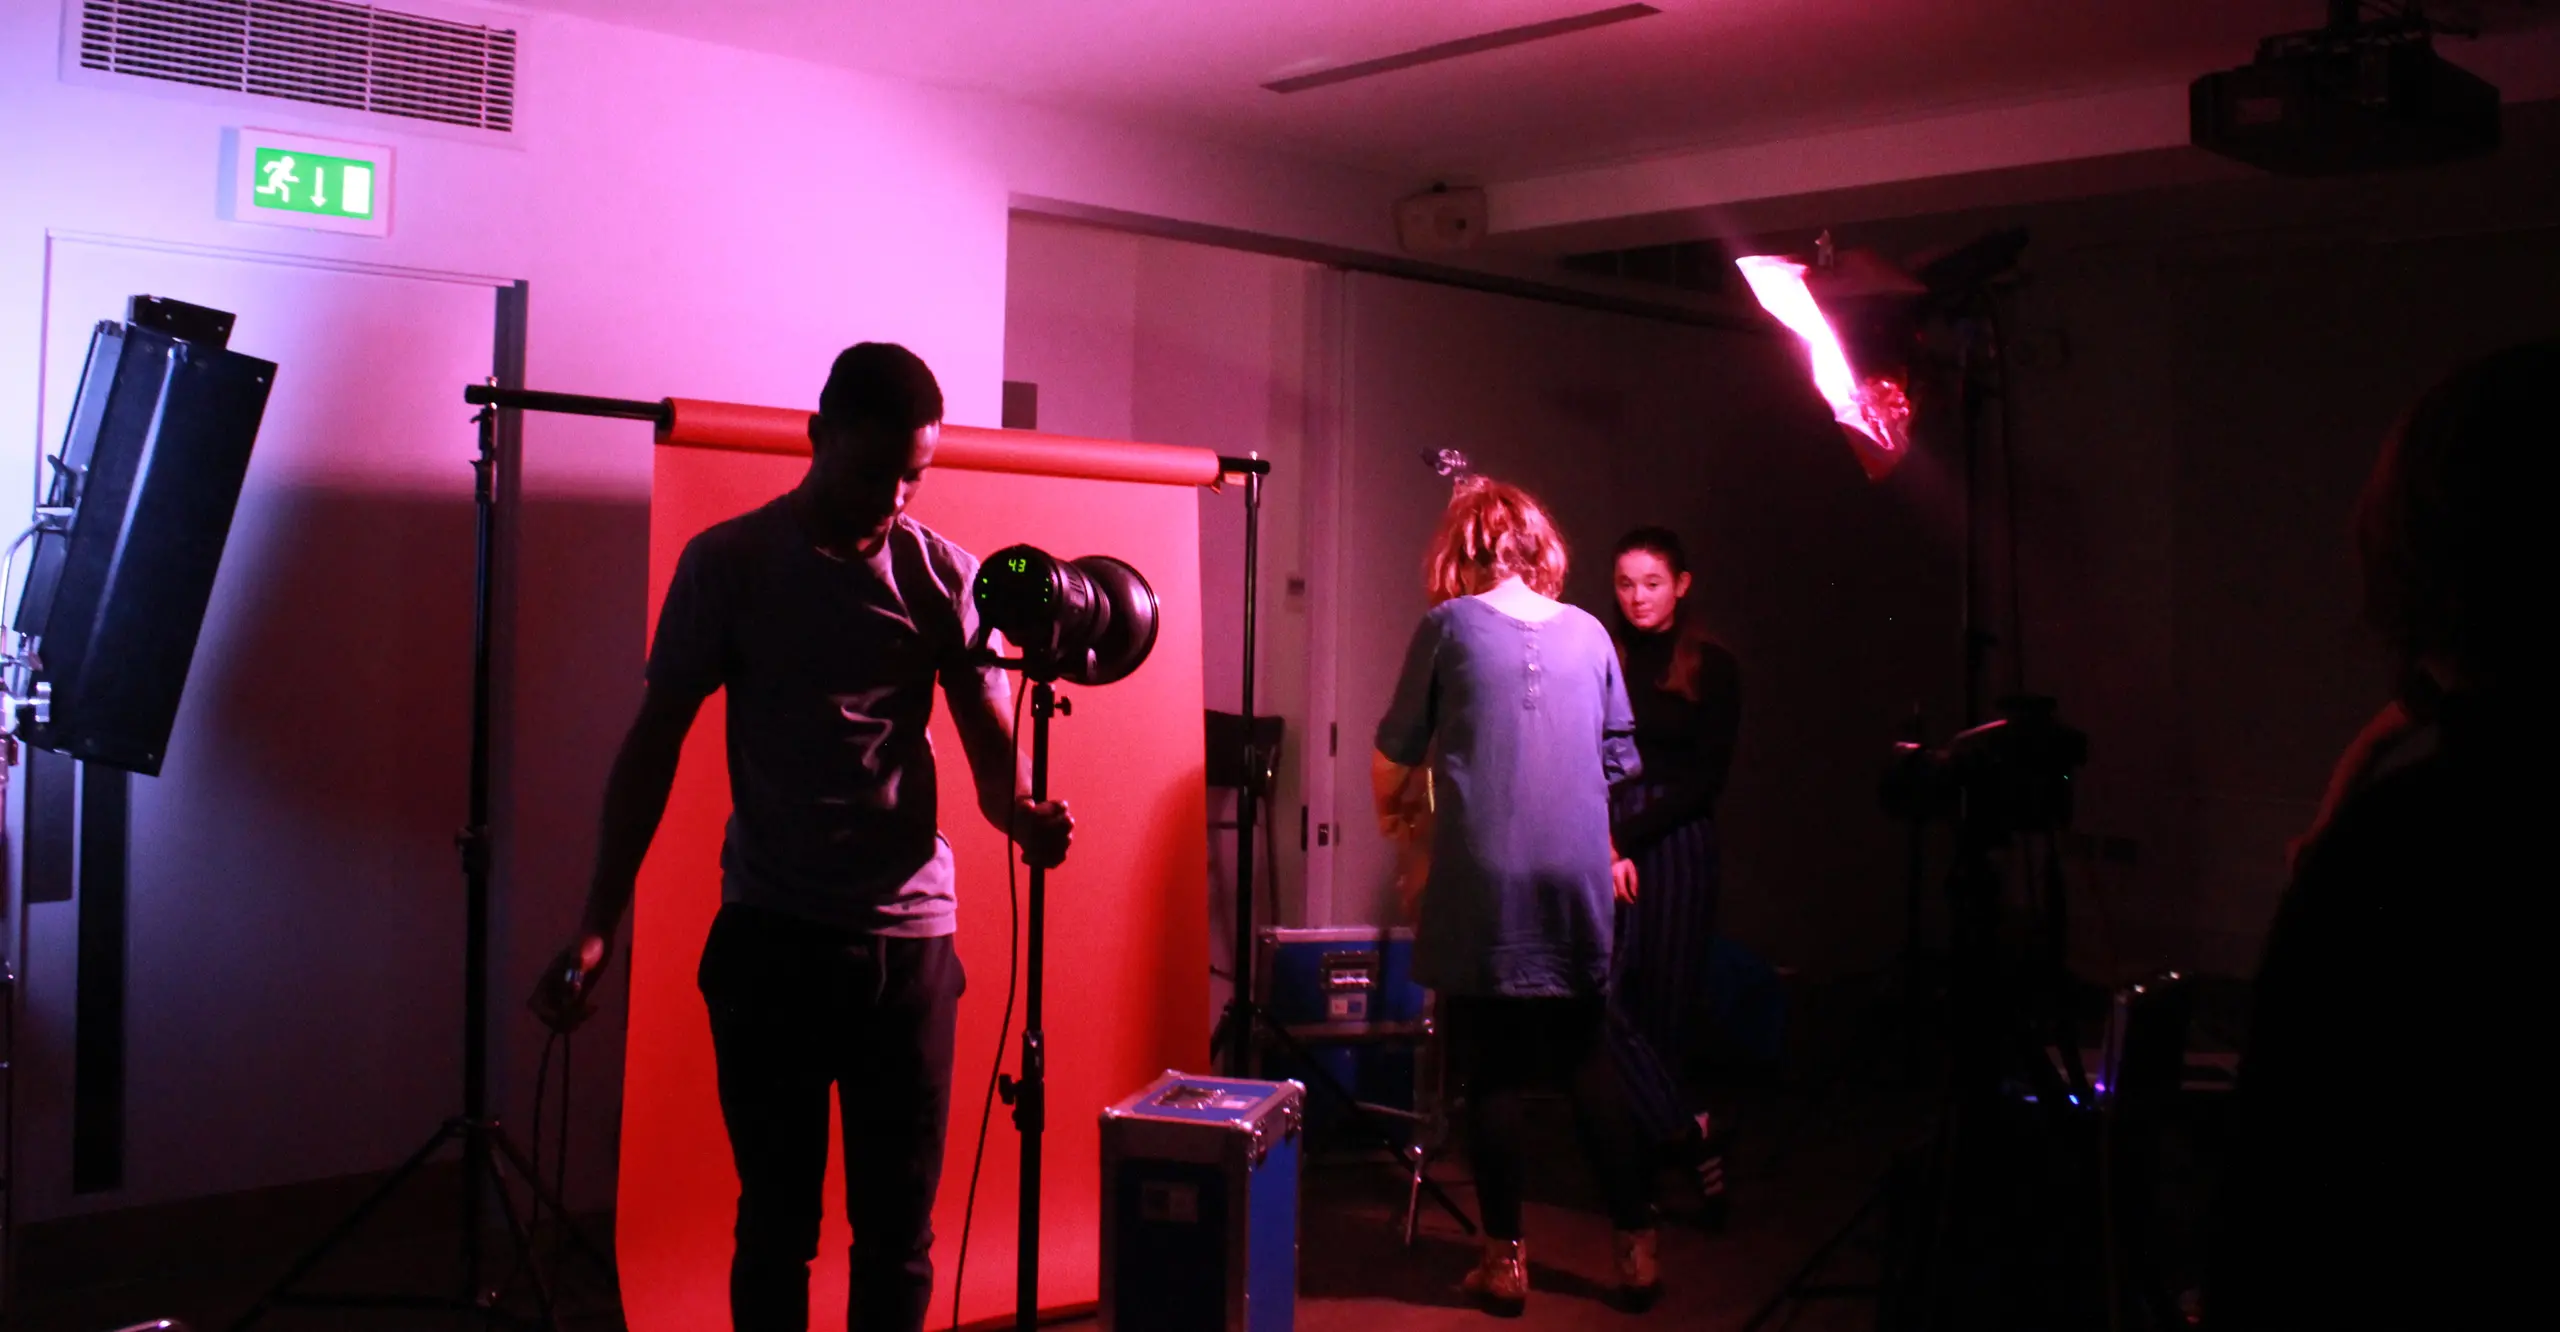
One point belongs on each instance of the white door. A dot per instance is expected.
(293, 1008)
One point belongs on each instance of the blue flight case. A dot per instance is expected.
(1346, 996)
(1200, 1206)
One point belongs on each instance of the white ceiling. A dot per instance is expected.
(1701, 73)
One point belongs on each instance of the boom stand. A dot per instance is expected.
(488, 1154)
(1977, 644)
(1246, 1019)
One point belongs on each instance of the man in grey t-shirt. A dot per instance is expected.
(829, 617)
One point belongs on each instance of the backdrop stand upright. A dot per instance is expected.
(488, 1153)
(1245, 1021)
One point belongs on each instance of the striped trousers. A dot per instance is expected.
(1658, 968)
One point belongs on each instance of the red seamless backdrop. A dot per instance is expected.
(1127, 949)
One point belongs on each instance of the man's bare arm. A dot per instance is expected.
(635, 799)
(1003, 777)
(998, 769)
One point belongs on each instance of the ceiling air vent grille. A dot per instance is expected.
(360, 57)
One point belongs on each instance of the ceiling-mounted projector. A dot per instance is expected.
(2349, 97)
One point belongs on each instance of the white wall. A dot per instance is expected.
(1132, 337)
(638, 201)
(315, 756)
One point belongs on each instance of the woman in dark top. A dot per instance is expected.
(1686, 692)
(2381, 1116)
(1514, 698)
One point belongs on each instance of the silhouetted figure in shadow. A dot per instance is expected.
(2382, 1167)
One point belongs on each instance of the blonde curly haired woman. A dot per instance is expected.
(1515, 700)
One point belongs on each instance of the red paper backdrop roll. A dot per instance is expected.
(1127, 981)
(741, 428)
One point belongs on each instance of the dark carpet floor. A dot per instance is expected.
(1814, 1140)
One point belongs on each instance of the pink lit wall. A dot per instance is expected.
(692, 220)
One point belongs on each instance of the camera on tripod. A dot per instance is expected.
(2009, 775)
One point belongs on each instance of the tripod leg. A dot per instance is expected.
(1247, 1015)
(578, 1236)
(1799, 1285)
(523, 1237)
(1418, 1162)
(318, 1253)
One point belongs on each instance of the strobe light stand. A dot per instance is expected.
(1028, 1093)
(1090, 621)
(489, 1155)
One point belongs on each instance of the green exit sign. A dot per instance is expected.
(295, 180)
(312, 183)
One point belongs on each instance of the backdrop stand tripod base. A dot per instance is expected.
(488, 1157)
(484, 1143)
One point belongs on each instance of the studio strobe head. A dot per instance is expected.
(1088, 621)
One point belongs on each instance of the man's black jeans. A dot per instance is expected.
(797, 1008)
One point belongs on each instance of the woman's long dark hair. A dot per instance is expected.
(1690, 638)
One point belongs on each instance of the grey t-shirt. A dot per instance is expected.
(830, 666)
(1527, 726)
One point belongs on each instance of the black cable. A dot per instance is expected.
(1004, 1028)
(533, 1211)
(527, 1255)
(560, 1158)
(541, 1083)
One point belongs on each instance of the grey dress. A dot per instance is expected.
(1533, 727)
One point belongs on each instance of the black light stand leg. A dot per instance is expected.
(1249, 1017)
(1029, 1092)
(544, 1196)
(523, 1237)
(348, 1225)
(1800, 1287)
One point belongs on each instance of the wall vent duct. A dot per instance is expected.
(361, 57)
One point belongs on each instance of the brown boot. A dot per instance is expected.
(1500, 1281)
(1639, 1254)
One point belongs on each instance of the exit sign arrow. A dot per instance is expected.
(321, 184)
